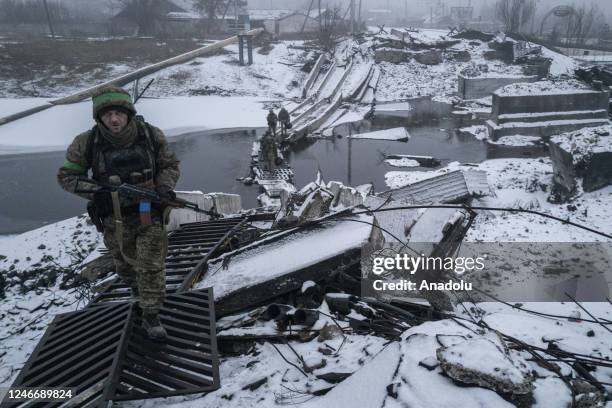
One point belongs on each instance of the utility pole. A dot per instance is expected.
(431, 16)
(49, 19)
(350, 154)
(320, 22)
(307, 15)
(352, 16)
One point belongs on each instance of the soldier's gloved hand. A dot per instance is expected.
(166, 192)
(103, 203)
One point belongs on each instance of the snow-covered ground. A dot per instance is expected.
(210, 92)
(55, 128)
(390, 374)
(525, 183)
(275, 73)
(412, 79)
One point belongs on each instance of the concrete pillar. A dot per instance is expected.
(241, 48)
(249, 40)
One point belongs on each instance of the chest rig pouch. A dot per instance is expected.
(133, 164)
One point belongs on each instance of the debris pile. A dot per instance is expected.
(584, 155)
(546, 108)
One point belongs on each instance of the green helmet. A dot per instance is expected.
(111, 96)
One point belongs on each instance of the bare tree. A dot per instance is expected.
(217, 8)
(515, 13)
(31, 11)
(586, 21)
(329, 30)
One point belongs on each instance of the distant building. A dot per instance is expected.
(461, 14)
(258, 18)
(379, 17)
(301, 22)
(173, 18)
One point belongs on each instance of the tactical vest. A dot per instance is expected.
(127, 162)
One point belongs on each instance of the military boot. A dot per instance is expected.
(153, 327)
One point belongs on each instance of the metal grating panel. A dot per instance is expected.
(476, 182)
(103, 353)
(281, 173)
(186, 363)
(79, 350)
(188, 249)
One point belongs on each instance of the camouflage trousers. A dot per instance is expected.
(147, 245)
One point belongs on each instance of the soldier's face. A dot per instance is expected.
(114, 120)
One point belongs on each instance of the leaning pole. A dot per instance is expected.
(129, 77)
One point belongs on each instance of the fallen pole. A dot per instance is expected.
(132, 76)
(23, 114)
(139, 73)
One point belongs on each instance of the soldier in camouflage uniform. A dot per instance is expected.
(123, 145)
(268, 154)
(272, 121)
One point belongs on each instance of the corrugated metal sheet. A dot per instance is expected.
(453, 187)
(476, 182)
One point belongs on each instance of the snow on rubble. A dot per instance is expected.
(450, 361)
(550, 87)
(524, 183)
(412, 79)
(298, 251)
(585, 142)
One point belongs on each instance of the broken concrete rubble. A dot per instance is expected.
(585, 155)
(477, 82)
(244, 278)
(316, 199)
(431, 57)
(502, 372)
(474, 35)
(392, 55)
(225, 204)
(546, 108)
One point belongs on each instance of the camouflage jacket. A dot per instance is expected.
(77, 164)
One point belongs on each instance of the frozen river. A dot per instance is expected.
(212, 161)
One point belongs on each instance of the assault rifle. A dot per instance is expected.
(131, 190)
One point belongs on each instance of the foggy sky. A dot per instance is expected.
(415, 8)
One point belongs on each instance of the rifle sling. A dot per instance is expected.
(119, 227)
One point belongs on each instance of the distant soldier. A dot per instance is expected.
(283, 117)
(122, 147)
(272, 121)
(267, 150)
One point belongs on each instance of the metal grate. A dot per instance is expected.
(281, 173)
(79, 350)
(186, 363)
(188, 250)
(104, 353)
